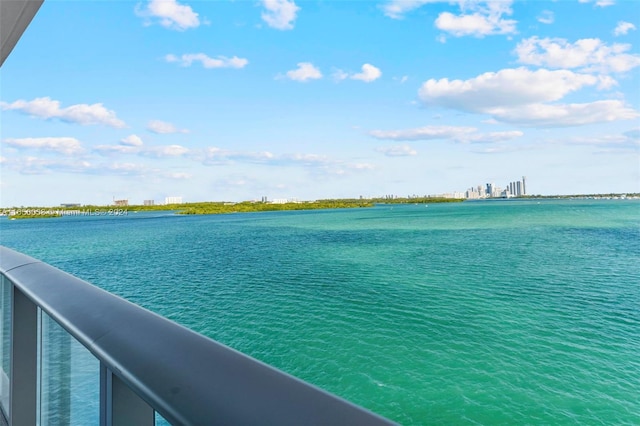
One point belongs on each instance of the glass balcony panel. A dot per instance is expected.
(161, 421)
(69, 379)
(5, 345)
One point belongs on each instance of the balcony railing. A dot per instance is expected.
(73, 353)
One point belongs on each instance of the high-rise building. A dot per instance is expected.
(524, 188)
(490, 189)
(173, 200)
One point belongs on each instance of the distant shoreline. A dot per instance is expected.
(224, 207)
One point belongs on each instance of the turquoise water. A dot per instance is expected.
(495, 312)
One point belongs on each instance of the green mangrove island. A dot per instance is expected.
(215, 207)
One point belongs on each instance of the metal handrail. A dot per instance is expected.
(186, 377)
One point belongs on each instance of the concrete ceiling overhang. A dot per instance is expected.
(15, 16)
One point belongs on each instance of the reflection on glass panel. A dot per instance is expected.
(161, 421)
(5, 346)
(69, 379)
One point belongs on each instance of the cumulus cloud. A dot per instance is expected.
(279, 14)
(507, 87)
(623, 28)
(368, 74)
(47, 108)
(521, 96)
(61, 145)
(589, 54)
(131, 140)
(163, 127)
(170, 14)
(477, 18)
(306, 71)
(546, 17)
(475, 24)
(207, 62)
(132, 144)
(397, 151)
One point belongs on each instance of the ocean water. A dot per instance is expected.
(494, 312)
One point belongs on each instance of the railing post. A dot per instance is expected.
(124, 407)
(24, 363)
(105, 395)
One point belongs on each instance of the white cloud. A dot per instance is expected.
(132, 144)
(280, 14)
(478, 18)
(492, 137)
(520, 96)
(62, 145)
(207, 62)
(46, 108)
(423, 133)
(162, 151)
(165, 151)
(599, 3)
(397, 151)
(590, 54)
(545, 115)
(170, 14)
(131, 140)
(305, 71)
(453, 133)
(546, 17)
(475, 24)
(369, 73)
(623, 28)
(305, 159)
(162, 127)
(396, 9)
(507, 87)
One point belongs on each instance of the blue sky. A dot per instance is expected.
(236, 100)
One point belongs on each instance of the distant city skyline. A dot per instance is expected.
(235, 101)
